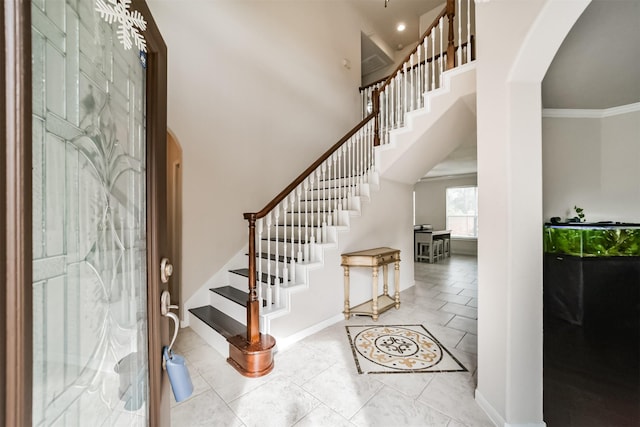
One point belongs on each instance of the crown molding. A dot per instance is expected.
(568, 113)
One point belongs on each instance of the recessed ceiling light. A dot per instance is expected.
(401, 27)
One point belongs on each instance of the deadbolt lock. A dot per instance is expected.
(166, 270)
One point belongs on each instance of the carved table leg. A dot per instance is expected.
(396, 280)
(374, 304)
(347, 314)
(385, 279)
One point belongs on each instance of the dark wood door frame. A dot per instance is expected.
(16, 206)
(16, 357)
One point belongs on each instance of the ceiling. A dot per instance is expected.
(385, 19)
(597, 66)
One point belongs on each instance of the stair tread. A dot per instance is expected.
(272, 256)
(281, 240)
(232, 294)
(218, 321)
(265, 277)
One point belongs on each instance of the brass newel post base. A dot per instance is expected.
(251, 359)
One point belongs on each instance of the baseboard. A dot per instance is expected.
(488, 409)
(496, 418)
(283, 343)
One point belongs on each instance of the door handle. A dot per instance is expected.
(165, 310)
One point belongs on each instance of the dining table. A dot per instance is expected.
(427, 236)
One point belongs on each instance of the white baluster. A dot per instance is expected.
(292, 259)
(260, 229)
(459, 33)
(299, 197)
(425, 87)
(392, 104)
(468, 31)
(339, 181)
(406, 91)
(313, 195)
(419, 79)
(276, 214)
(326, 191)
(351, 183)
(336, 190)
(319, 218)
(359, 157)
(441, 53)
(433, 59)
(285, 269)
(269, 294)
(412, 86)
(306, 220)
(388, 114)
(382, 115)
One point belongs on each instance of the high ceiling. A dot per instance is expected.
(385, 19)
(597, 66)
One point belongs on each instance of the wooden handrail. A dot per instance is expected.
(399, 68)
(430, 59)
(284, 193)
(245, 347)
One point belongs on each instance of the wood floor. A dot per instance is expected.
(591, 376)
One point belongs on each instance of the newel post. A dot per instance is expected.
(451, 48)
(253, 305)
(252, 355)
(375, 98)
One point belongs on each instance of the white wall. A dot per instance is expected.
(431, 208)
(519, 40)
(378, 226)
(592, 163)
(257, 91)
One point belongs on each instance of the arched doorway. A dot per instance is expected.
(519, 40)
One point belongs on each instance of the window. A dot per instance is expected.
(462, 211)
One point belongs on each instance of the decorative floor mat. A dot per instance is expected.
(397, 349)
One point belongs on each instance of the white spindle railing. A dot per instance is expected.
(422, 70)
(291, 229)
(291, 233)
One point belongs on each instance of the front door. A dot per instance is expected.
(98, 214)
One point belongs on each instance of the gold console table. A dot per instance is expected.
(373, 258)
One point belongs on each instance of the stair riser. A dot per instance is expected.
(241, 282)
(265, 264)
(329, 217)
(213, 338)
(228, 307)
(262, 266)
(334, 193)
(308, 248)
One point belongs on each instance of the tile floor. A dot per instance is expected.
(315, 382)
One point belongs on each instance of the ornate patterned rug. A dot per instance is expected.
(397, 349)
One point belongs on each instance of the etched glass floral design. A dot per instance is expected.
(89, 216)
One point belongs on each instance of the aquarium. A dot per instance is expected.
(592, 239)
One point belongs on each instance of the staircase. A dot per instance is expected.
(290, 239)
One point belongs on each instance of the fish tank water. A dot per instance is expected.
(592, 239)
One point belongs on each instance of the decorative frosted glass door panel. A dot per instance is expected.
(89, 220)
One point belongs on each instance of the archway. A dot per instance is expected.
(519, 40)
